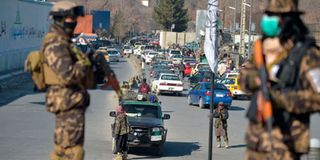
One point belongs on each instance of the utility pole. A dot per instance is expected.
(250, 27)
(242, 29)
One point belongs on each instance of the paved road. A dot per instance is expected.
(27, 129)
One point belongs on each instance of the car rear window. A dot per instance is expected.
(228, 81)
(216, 86)
(112, 52)
(153, 53)
(170, 77)
(142, 110)
(175, 52)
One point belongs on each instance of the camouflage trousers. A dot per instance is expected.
(69, 135)
(259, 146)
(275, 155)
(70, 153)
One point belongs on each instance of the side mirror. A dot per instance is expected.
(166, 116)
(112, 114)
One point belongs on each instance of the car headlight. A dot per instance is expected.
(156, 129)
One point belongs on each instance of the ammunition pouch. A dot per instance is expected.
(50, 78)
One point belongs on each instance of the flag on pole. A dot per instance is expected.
(211, 35)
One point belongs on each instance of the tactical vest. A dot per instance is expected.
(50, 78)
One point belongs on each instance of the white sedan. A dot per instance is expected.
(114, 55)
(167, 83)
(149, 56)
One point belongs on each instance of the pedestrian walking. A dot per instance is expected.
(221, 125)
(64, 69)
(121, 131)
(289, 71)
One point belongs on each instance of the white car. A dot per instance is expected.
(167, 83)
(149, 56)
(174, 52)
(127, 50)
(114, 55)
(176, 59)
(138, 50)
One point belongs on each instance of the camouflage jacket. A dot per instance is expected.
(58, 55)
(121, 125)
(221, 118)
(298, 103)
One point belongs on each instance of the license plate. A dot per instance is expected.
(219, 95)
(156, 138)
(170, 88)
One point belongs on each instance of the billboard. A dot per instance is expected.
(100, 20)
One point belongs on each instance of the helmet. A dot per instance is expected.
(65, 9)
(283, 6)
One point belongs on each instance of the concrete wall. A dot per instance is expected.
(315, 31)
(168, 38)
(23, 24)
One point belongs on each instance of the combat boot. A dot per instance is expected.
(226, 144)
(118, 156)
(125, 156)
(219, 144)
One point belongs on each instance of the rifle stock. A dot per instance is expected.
(264, 109)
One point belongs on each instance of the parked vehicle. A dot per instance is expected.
(201, 95)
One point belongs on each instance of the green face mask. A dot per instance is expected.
(270, 25)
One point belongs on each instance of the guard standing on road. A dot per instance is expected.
(221, 115)
(65, 68)
(285, 63)
(121, 130)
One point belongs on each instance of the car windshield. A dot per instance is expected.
(189, 61)
(170, 77)
(153, 53)
(112, 52)
(177, 56)
(175, 52)
(216, 86)
(133, 110)
(228, 81)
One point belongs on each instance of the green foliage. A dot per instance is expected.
(170, 12)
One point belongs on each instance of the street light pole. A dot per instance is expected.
(250, 24)
(234, 25)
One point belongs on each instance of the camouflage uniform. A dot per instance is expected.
(221, 126)
(291, 107)
(290, 139)
(121, 130)
(67, 100)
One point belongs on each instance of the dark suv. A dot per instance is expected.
(146, 121)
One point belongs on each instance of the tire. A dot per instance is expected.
(114, 148)
(201, 105)
(159, 150)
(189, 100)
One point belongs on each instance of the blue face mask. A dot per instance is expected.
(270, 25)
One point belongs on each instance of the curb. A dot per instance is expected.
(9, 75)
